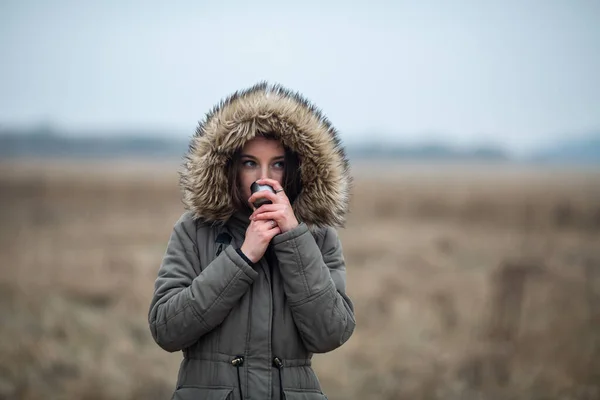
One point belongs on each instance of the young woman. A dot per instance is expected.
(249, 294)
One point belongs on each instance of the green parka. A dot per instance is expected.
(249, 331)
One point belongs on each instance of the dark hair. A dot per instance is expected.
(292, 184)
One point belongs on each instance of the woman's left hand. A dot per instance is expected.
(279, 211)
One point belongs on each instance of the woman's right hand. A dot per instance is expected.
(258, 236)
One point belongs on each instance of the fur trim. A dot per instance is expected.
(324, 167)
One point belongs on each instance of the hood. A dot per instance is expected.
(324, 168)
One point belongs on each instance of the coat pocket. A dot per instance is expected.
(303, 395)
(203, 393)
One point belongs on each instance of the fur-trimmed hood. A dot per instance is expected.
(324, 167)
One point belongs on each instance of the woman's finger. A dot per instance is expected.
(268, 208)
(264, 224)
(269, 215)
(275, 231)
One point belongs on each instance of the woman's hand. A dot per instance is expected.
(258, 236)
(279, 211)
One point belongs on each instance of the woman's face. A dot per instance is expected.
(260, 158)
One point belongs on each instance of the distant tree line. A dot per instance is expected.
(46, 143)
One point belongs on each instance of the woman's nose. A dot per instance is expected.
(265, 172)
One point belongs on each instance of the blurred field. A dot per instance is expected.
(469, 282)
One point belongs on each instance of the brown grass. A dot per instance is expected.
(468, 282)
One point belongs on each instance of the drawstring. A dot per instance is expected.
(237, 363)
(279, 365)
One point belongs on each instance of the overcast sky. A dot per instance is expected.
(516, 73)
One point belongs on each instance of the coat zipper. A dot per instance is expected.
(277, 363)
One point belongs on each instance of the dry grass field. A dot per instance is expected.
(469, 282)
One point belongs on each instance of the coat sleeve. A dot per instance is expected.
(188, 303)
(315, 284)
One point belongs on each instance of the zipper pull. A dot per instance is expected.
(238, 361)
(277, 363)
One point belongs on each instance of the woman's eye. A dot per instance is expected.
(279, 165)
(248, 163)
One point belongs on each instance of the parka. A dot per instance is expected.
(249, 331)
